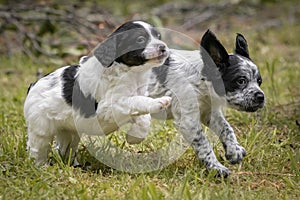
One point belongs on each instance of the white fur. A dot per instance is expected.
(119, 90)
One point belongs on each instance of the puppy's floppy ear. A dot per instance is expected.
(216, 60)
(106, 51)
(241, 46)
(215, 49)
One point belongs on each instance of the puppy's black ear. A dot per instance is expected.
(241, 46)
(106, 52)
(215, 50)
(216, 60)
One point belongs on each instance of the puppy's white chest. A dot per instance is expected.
(113, 110)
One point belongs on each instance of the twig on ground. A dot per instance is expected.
(264, 174)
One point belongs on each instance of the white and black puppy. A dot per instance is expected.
(201, 83)
(98, 95)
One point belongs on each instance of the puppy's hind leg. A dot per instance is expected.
(67, 144)
(139, 129)
(39, 145)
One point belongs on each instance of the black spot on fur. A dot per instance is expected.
(73, 95)
(161, 73)
(87, 105)
(68, 77)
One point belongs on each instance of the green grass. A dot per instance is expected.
(271, 137)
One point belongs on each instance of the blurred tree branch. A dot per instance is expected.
(52, 30)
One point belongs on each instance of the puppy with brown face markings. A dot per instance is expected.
(98, 95)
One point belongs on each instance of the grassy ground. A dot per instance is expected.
(271, 137)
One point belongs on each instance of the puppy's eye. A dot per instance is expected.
(141, 40)
(241, 81)
(259, 81)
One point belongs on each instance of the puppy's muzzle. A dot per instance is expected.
(257, 102)
(159, 51)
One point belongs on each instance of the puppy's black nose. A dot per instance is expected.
(162, 48)
(259, 97)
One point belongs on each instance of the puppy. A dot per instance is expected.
(104, 91)
(201, 83)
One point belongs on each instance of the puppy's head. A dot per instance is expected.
(234, 76)
(134, 43)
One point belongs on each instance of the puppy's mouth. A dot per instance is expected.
(155, 55)
(248, 108)
(252, 108)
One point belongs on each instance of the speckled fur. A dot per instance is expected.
(201, 83)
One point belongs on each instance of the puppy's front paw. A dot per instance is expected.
(160, 104)
(222, 171)
(234, 153)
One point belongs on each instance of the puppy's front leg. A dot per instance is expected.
(234, 151)
(140, 105)
(188, 123)
(139, 129)
(140, 108)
